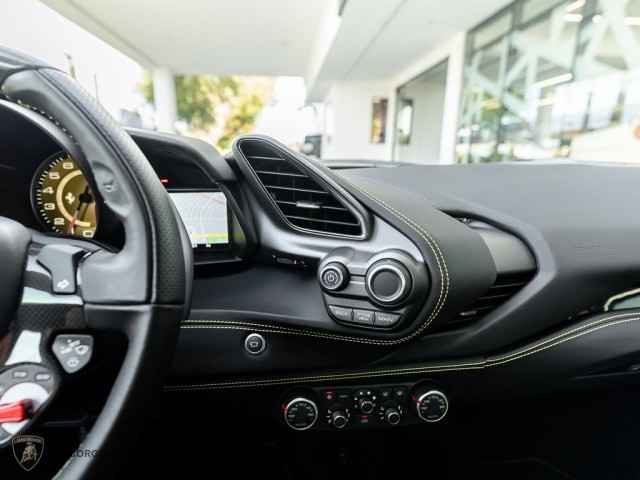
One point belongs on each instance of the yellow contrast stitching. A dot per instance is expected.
(265, 328)
(491, 362)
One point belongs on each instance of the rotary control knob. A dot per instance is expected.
(431, 404)
(300, 413)
(334, 276)
(388, 282)
(366, 405)
(339, 418)
(392, 416)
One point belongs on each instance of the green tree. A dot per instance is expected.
(205, 101)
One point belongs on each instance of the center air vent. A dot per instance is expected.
(502, 290)
(302, 200)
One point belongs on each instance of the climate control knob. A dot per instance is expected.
(366, 405)
(339, 418)
(334, 276)
(300, 413)
(388, 282)
(392, 416)
(431, 404)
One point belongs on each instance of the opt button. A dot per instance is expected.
(363, 316)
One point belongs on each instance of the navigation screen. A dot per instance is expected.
(204, 215)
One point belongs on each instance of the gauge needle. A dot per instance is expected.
(84, 198)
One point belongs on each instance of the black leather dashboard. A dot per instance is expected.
(520, 263)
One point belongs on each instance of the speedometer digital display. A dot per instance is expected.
(62, 198)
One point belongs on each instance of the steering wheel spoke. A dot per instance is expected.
(45, 337)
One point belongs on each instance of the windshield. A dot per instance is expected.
(351, 81)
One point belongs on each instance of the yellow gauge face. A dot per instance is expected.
(62, 198)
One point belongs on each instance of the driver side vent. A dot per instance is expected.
(303, 201)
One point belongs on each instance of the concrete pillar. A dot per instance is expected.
(164, 94)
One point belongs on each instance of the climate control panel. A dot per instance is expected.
(364, 406)
(380, 291)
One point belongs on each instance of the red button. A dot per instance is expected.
(16, 411)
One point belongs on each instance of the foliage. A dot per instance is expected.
(220, 106)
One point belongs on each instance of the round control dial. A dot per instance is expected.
(388, 282)
(334, 276)
(392, 415)
(339, 418)
(366, 405)
(431, 405)
(300, 413)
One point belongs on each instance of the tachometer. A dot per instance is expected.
(62, 198)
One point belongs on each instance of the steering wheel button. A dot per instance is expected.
(341, 313)
(61, 262)
(365, 317)
(385, 319)
(255, 344)
(73, 351)
(43, 377)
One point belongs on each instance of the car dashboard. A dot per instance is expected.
(367, 297)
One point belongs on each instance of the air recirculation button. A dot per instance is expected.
(388, 282)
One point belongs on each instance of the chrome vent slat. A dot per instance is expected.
(322, 207)
(294, 189)
(285, 174)
(321, 221)
(303, 201)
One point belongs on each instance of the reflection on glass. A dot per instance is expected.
(405, 119)
(563, 80)
(379, 120)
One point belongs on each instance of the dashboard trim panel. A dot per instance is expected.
(453, 366)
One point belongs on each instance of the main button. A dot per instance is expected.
(385, 319)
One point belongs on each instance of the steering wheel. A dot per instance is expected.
(56, 293)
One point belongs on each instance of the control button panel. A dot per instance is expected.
(364, 317)
(365, 406)
(379, 292)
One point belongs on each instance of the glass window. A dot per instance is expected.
(564, 81)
